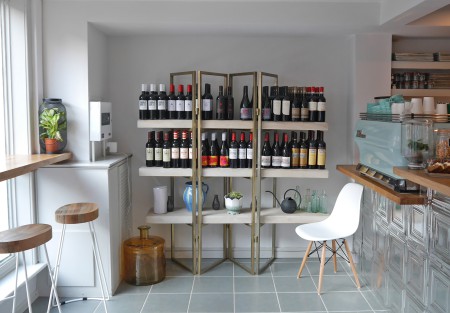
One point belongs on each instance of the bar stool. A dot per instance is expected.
(78, 213)
(21, 239)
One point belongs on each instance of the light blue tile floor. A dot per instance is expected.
(228, 288)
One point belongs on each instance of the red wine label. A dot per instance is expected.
(312, 106)
(142, 104)
(204, 160)
(321, 156)
(266, 114)
(285, 162)
(213, 160)
(224, 161)
(286, 106)
(265, 160)
(304, 113)
(184, 153)
(175, 153)
(321, 106)
(206, 105)
(149, 154)
(162, 105)
(166, 155)
(277, 107)
(276, 161)
(171, 104)
(152, 104)
(303, 160)
(249, 154)
(246, 113)
(179, 105)
(188, 105)
(233, 153)
(296, 113)
(312, 156)
(242, 154)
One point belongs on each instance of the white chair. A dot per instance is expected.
(342, 222)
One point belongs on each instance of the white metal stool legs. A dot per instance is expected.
(15, 285)
(56, 270)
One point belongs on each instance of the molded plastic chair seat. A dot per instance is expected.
(342, 222)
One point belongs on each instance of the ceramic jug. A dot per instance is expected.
(187, 195)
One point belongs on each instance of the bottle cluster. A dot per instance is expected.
(303, 152)
(169, 149)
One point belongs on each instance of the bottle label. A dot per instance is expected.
(233, 154)
(276, 161)
(312, 106)
(266, 114)
(285, 162)
(204, 160)
(296, 113)
(190, 153)
(175, 153)
(242, 153)
(321, 156)
(312, 156)
(224, 161)
(321, 106)
(213, 160)
(188, 105)
(206, 105)
(304, 113)
(179, 105)
(295, 157)
(303, 159)
(142, 105)
(152, 105)
(184, 153)
(171, 104)
(249, 153)
(149, 154)
(246, 113)
(162, 105)
(277, 107)
(220, 107)
(265, 160)
(286, 106)
(166, 155)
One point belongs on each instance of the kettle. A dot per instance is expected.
(288, 205)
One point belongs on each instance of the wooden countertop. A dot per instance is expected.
(399, 198)
(440, 184)
(15, 165)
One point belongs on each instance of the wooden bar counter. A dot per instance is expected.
(440, 184)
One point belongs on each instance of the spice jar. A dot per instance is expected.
(442, 144)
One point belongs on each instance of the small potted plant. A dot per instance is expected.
(233, 202)
(51, 123)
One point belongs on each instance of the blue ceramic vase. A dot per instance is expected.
(187, 195)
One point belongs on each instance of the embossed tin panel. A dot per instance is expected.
(396, 256)
(440, 223)
(439, 289)
(416, 273)
(418, 225)
(398, 217)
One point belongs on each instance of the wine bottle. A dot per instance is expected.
(143, 103)
(188, 103)
(321, 106)
(179, 103)
(221, 105)
(295, 105)
(153, 103)
(266, 154)
(172, 103)
(286, 153)
(184, 150)
(295, 151)
(283, 143)
(233, 151)
(150, 150)
(276, 104)
(224, 152)
(245, 108)
(321, 151)
(303, 157)
(242, 152)
(162, 102)
(313, 105)
(312, 152)
(166, 150)
(205, 150)
(266, 110)
(304, 108)
(230, 104)
(214, 152)
(250, 151)
(175, 151)
(158, 149)
(276, 152)
(286, 105)
(190, 151)
(207, 100)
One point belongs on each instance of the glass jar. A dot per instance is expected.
(442, 143)
(61, 142)
(417, 142)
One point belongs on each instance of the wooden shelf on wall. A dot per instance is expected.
(440, 184)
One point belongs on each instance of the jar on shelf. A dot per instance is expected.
(417, 142)
(52, 126)
(442, 143)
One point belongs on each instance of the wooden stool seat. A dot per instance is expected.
(77, 213)
(24, 237)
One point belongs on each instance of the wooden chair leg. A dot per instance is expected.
(305, 257)
(322, 266)
(333, 245)
(352, 265)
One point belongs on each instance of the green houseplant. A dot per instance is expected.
(233, 202)
(51, 122)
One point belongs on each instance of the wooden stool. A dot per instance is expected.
(21, 239)
(78, 213)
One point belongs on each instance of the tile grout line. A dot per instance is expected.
(190, 295)
(275, 287)
(146, 298)
(234, 293)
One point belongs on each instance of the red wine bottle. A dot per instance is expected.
(188, 103)
(175, 150)
(143, 103)
(286, 105)
(245, 108)
(214, 152)
(242, 152)
(266, 154)
(304, 108)
(295, 105)
(162, 102)
(276, 153)
(153, 103)
(207, 100)
(321, 151)
(172, 103)
(158, 149)
(230, 104)
(233, 152)
(224, 152)
(221, 105)
(166, 150)
(150, 150)
(266, 110)
(312, 152)
(205, 150)
(321, 106)
(250, 151)
(276, 104)
(313, 105)
(190, 151)
(303, 157)
(179, 103)
(184, 150)
(286, 153)
(295, 151)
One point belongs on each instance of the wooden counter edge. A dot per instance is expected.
(440, 184)
(399, 198)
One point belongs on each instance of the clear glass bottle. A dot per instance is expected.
(323, 202)
(307, 201)
(315, 205)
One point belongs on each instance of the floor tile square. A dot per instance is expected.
(213, 302)
(125, 288)
(122, 303)
(223, 269)
(286, 269)
(294, 284)
(174, 269)
(239, 271)
(345, 301)
(256, 302)
(40, 306)
(335, 283)
(374, 302)
(314, 268)
(253, 284)
(213, 284)
(300, 302)
(165, 303)
(174, 285)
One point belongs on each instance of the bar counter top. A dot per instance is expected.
(421, 177)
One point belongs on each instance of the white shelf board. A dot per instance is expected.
(276, 216)
(421, 92)
(420, 65)
(227, 172)
(296, 173)
(227, 124)
(178, 216)
(160, 171)
(295, 126)
(176, 124)
(222, 217)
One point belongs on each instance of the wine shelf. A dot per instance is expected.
(178, 216)
(420, 65)
(422, 92)
(227, 172)
(164, 124)
(160, 171)
(296, 173)
(276, 216)
(227, 124)
(295, 126)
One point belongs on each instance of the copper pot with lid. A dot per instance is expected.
(144, 260)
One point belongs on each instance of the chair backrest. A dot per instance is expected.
(346, 211)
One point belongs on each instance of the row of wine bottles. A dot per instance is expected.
(167, 150)
(304, 104)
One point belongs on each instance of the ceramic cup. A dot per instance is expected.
(398, 108)
(442, 109)
(160, 199)
(408, 107)
(428, 105)
(416, 106)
